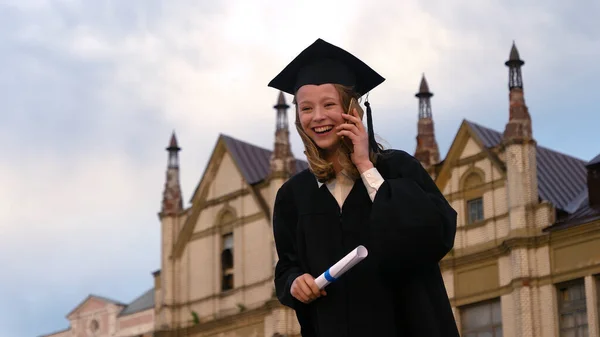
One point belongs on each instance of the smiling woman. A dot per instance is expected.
(381, 199)
(319, 118)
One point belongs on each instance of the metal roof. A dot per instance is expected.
(561, 178)
(144, 302)
(594, 161)
(584, 213)
(253, 161)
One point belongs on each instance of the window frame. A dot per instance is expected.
(573, 307)
(492, 327)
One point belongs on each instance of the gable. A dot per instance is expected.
(91, 304)
(467, 146)
(199, 197)
(235, 167)
(471, 148)
(561, 178)
(227, 180)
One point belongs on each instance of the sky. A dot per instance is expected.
(90, 92)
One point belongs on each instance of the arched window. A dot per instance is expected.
(94, 326)
(226, 220)
(226, 217)
(472, 180)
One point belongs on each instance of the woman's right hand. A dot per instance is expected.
(305, 290)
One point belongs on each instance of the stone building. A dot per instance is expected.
(526, 260)
(104, 317)
(218, 255)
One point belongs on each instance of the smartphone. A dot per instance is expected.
(347, 142)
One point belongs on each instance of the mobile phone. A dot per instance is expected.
(354, 105)
(347, 142)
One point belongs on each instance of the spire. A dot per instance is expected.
(424, 96)
(427, 151)
(514, 63)
(281, 107)
(173, 150)
(282, 161)
(172, 202)
(518, 127)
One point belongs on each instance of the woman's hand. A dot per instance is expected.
(357, 133)
(305, 290)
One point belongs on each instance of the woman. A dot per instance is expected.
(357, 195)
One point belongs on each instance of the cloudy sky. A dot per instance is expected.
(91, 90)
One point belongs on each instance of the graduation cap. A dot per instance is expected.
(321, 63)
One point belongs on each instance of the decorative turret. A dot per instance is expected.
(283, 163)
(172, 203)
(520, 150)
(518, 128)
(526, 216)
(427, 151)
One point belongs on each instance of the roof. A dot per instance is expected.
(594, 161)
(254, 161)
(106, 299)
(144, 302)
(101, 298)
(584, 213)
(561, 178)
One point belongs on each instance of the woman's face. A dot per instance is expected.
(320, 112)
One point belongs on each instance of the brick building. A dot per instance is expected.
(526, 260)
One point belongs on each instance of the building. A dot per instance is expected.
(101, 316)
(526, 260)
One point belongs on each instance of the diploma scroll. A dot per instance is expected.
(342, 266)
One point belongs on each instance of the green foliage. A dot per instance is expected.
(195, 318)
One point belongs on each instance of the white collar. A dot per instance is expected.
(321, 184)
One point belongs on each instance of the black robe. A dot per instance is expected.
(398, 289)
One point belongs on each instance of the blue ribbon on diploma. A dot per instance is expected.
(328, 276)
(342, 266)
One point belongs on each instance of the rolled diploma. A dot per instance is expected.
(342, 266)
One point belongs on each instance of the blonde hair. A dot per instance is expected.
(317, 163)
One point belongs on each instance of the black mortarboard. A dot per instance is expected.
(322, 62)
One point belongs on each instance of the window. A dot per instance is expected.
(473, 188)
(227, 262)
(475, 210)
(94, 325)
(572, 310)
(482, 319)
(473, 180)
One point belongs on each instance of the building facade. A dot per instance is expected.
(99, 316)
(526, 260)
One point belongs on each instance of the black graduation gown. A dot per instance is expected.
(398, 289)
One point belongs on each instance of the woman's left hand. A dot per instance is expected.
(357, 133)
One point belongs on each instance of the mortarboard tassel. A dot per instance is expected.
(372, 142)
